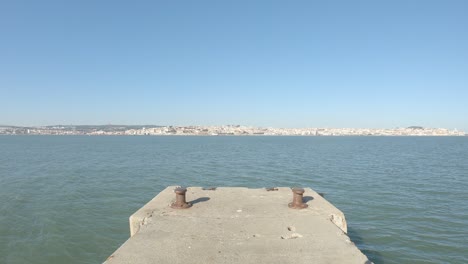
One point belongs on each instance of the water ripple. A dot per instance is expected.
(68, 199)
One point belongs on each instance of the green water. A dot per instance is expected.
(67, 199)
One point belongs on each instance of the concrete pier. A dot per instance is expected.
(238, 225)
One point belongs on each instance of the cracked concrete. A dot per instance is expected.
(238, 225)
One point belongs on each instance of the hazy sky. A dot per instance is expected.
(262, 63)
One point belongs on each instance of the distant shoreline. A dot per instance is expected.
(82, 135)
(228, 130)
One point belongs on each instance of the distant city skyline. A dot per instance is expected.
(232, 130)
(226, 124)
(339, 64)
(142, 126)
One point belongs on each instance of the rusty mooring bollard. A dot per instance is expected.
(180, 202)
(297, 202)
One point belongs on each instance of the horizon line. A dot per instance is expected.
(153, 125)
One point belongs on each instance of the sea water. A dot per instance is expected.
(67, 199)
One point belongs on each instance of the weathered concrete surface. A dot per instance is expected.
(238, 225)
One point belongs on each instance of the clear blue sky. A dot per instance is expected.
(262, 63)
